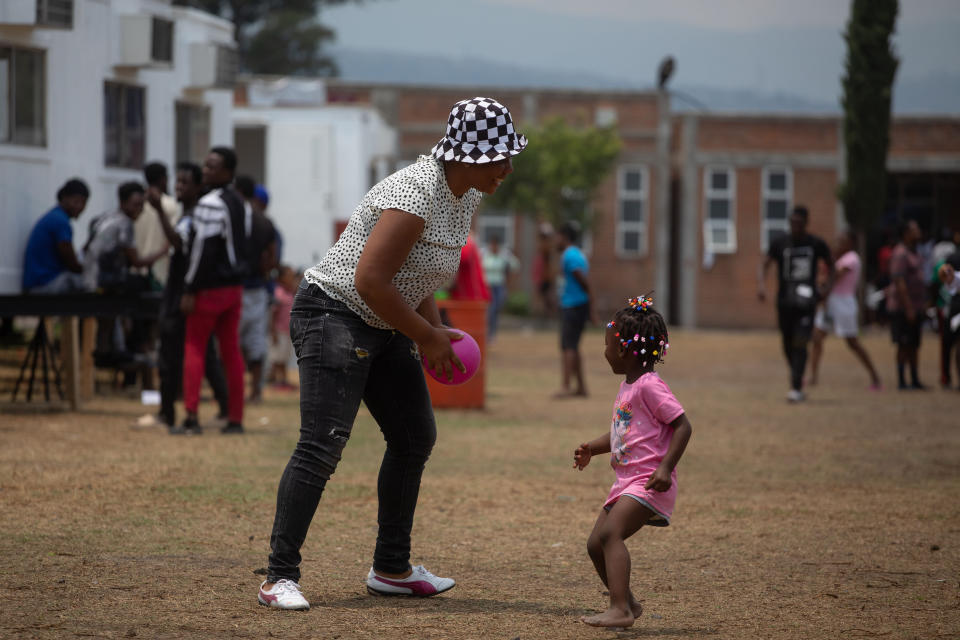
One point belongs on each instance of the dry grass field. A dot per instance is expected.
(837, 518)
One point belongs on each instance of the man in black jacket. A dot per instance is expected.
(212, 301)
(172, 325)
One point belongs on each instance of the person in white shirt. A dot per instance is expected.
(360, 321)
(148, 235)
(498, 264)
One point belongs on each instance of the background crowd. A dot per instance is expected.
(817, 295)
(209, 252)
(212, 252)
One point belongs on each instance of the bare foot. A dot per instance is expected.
(636, 608)
(561, 395)
(610, 618)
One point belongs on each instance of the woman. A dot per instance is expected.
(358, 320)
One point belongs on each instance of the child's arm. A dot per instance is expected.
(583, 453)
(660, 480)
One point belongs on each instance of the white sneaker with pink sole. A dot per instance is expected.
(419, 584)
(284, 594)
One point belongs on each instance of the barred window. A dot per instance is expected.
(124, 125)
(776, 198)
(23, 111)
(632, 210)
(719, 218)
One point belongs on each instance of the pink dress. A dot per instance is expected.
(640, 436)
(281, 310)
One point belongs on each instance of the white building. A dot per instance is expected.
(95, 89)
(316, 159)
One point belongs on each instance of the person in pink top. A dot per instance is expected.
(840, 310)
(281, 348)
(648, 434)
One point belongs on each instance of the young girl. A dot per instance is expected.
(649, 433)
(281, 348)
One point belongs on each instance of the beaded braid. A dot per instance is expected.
(642, 330)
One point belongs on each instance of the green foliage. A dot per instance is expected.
(287, 44)
(517, 304)
(557, 174)
(867, 86)
(277, 36)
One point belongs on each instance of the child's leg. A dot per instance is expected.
(816, 351)
(612, 560)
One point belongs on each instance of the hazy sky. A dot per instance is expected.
(766, 45)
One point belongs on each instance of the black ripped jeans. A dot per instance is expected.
(342, 361)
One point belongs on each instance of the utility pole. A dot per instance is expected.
(663, 223)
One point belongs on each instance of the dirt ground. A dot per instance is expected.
(838, 518)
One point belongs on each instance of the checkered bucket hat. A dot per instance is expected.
(479, 130)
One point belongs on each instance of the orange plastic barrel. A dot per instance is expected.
(469, 316)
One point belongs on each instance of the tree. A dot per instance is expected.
(867, 87)
(286, 44)
(277, 36)
(557, 174)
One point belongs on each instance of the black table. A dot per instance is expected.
(77, 357)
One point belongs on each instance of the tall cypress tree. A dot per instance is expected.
(867, 87)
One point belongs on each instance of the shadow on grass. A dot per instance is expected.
(640, 632)
(449, 605)
(486, 606)
(35, 407)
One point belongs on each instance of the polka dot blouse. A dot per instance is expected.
(421, 190)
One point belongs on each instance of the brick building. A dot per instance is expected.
(694, 198)
(740, 175)
(625, 248)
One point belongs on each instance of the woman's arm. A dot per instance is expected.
(429, 311)
(386, 250)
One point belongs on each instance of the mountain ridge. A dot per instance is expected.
(938, 93)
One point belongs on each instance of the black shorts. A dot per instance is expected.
(572, 322)
(904, 333)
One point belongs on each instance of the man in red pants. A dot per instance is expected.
(217, 265)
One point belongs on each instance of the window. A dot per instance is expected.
(55, 13)
(193, 132)
(777, 193)
(631, 227)
(23, 96)
(161, 42)
(228, 61)
(124, 125)
(605, 117)
(495, 225)
(719, 217)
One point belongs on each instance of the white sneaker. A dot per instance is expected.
(795, 395)
(419, 584)
(148, 421)
(285, 594)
